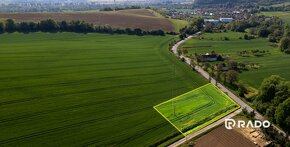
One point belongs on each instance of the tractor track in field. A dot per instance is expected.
(81, 65)
(77, 92)
(84, 81)
(35, 114)
(61, 128)
(135, 136)
(81, 71)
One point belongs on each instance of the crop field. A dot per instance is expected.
(143, 19)
(222, 137)
(141, 12)
(196, 109)
(274, 63)
(285, 16)
(69, 89)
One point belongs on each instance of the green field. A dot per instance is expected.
(285, 16)
(68, 89)
(281, 4)
(196, 109)
(275, 63)
(179, 24)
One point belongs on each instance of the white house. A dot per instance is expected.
(211, 21)
(226, 20)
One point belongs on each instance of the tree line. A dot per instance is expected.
(272, 28)
(195, 26)
(120, 8)
(274, 101)
(276, 8)
(50, 25)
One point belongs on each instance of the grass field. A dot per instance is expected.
(285, 16)
(139, 18)
(179, 24)
(196, 109)
(276, 63)
(281, 4)
(68, 89)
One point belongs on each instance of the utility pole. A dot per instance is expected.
(173, 79)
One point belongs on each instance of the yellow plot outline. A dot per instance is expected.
(188, 93)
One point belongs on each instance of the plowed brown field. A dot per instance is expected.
(221, 137)
(143, 19)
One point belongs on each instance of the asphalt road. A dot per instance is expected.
(221, 87)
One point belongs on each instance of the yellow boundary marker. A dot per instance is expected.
(187, 133)
(223, 93)
(182, 95)
(170, 122)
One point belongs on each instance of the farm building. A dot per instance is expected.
(215, 21)
(226, 20)
(207, 57)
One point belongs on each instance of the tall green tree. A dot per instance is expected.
(268, 88)
(2, 27)
(64, 26)
(285, 44)
(10, 26)
(282, 115)
(232, 76)
(198, 23)
(286, 31)
(282, 92)
(263, 32)
(48, 25)
(24, 27)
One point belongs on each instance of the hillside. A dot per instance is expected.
(139, 18)
(42, 1)
(234, 1)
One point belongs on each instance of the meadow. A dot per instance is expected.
(179, 24)
(274, 63)
(196, 109)
(281, 4)
(285, 16)
(69, 89)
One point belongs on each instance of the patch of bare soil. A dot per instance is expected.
(115, 20)
(222, 137)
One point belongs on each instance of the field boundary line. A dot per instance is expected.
(183, 94)
(216, 118)
(169, 122)
(223, 93)
(210, 126)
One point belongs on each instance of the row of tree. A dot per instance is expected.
(195, 26)
(272, 28)
(285, 41)
(120, 8)
(276, 8)
(274, 101)
(50, 25)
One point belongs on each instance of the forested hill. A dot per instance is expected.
(41, 1)
(236, 1)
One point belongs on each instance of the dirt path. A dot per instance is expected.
(221, 87)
